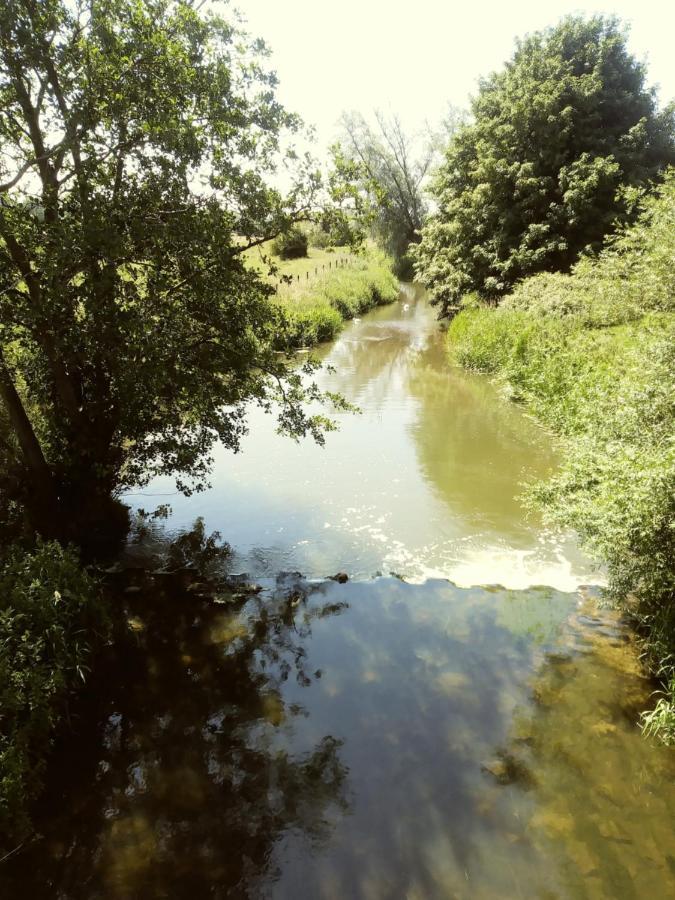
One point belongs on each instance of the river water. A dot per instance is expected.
(423, 482)
(382, 738)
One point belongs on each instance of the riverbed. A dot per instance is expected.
(458, 720)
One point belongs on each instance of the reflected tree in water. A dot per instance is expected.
(194, 781)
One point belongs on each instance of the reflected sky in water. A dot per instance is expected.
(368, 740)
(424, 482)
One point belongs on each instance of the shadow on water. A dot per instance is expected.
(366, 740)
(181, 772)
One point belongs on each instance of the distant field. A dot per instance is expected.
(327, 288)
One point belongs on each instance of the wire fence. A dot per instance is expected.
(318, 270)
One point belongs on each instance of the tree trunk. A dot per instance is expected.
(42, 488)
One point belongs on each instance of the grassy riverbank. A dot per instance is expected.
(326, 289)
(593, 355)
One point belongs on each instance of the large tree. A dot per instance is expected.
(559, 141)
(137, 141)
(382, 171)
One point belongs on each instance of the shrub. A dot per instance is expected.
(291, 245)
(51, 616)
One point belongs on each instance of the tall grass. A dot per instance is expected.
(593, 355)
(315, 309)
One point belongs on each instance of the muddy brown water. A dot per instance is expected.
(380, 738)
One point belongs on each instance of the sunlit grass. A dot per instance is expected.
(318, 293)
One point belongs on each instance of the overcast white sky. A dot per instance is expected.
(414, 58)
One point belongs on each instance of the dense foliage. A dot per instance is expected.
(593, 354)
(51, 618)
(137, 138)
(292, 244)
(560, 141)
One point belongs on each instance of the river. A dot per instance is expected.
(383, 738)
(425, 481)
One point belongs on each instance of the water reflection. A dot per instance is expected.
(192, 773)
(603, 805)
(425, 481)
(461, 782)
(461, 433)
(367, 740)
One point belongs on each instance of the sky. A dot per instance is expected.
(416, 58)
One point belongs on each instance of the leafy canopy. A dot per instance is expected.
(560, 140)
(138, 138)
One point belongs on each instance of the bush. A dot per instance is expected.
(332, 232)
(291, 245)
(51, 616)
(593, 355)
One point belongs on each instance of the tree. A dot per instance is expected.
(560, 140)
(383, 173)
(137, 139)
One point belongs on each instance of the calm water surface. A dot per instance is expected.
(377, 739)
(424, 482)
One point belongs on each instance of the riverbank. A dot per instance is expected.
(592, 354)
(319, 292)
(53, 619)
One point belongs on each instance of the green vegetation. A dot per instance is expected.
(292, 244)
(592, 353)
(561, 142)
(134, 336)
(340, 285)
(335, 229)
(51, 619)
